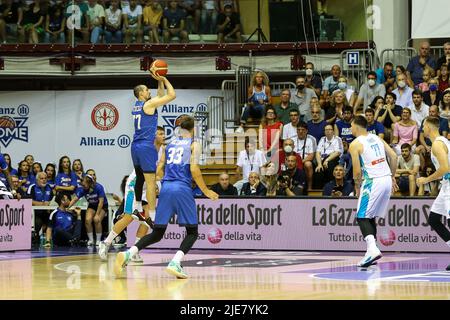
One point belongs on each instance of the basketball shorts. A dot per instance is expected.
(374, 197)
(176, 198)
(129, 199)
(145, 156)
(441, 204)
(95, 207)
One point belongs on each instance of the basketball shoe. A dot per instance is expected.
(103, 249)
(175, 269)
(122, 260)
(137, 258)
(371, 256)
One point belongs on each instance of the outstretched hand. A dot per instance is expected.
(212, 195)
(154, 75)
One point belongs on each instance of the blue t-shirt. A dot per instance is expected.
(381, 79)
(196, 192)
(61, 220)
(3, 164)
(40, 194)
(93, 196)
(79, 180)
(178, 161)
(65, 180)
(416, 70)
(345, 130)
(30, 180)
(173, 17)
(144, 124)
(346, 189)
(51, 183)
(376, 128)
(317, 130)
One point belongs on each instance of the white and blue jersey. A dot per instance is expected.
(62, 220)
(93, 196)
(176, 195)
(441, 204)
(377, 185)
(41, 194)
(143, 150)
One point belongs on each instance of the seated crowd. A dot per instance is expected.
(117, 21)
(307, 134)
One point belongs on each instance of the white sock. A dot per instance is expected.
(133, 250)
(111, 236)
(91, 236)
(152, 214)
(178, 256)
(139, 206)
(370, 240)
(448, 243)
(98, 237)
(137, 239)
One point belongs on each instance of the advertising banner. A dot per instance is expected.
(15, 225)
(303, 224)
(93, 125)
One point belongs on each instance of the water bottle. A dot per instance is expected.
(42, 240)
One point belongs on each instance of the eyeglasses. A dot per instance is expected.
(315, 112)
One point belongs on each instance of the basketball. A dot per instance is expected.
(159, 67)
(7, 122)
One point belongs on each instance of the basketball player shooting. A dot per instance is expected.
(371, 168)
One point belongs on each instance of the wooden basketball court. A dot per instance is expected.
(78, 273)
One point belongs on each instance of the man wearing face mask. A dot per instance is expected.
(313, 80)
(302, 97)
(288, 150)
(403, 92)
(369, 91)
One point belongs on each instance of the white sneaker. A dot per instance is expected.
(137, 258)
(97, 243)
(370, 257)
(103, 249)
(90, 243)
(239, 130)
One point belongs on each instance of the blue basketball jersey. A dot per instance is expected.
(144, 124)
(178, 158)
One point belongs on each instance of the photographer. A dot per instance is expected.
(285, 188)
(338, 187)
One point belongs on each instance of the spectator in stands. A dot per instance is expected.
(192, 8)
(132, 22)
(64, 229)
(66, 180)
(444, 105)
(335, 112)
(269, 177)
(331, 83)
(285, 107)
(40, 194)
(312, 80)
(50, 171)
(208, 16)
(288, 149)
(386, 76)
(80, 31)
(259, 97)
(269, 133)
(31, 22)
(12, 171)
(401, 70)
(432, 96)
(55, 24)
(443, 78)
(389, 114)
(97, 205)
(328, 152)
(9, 15)
(78, 170)
(405, 131)
(284, 187)
(403, 92)
(229, 25)
(224, 187)
(315, 103)
(30, 159)
(296, 175)
(316, 126)
(342, 128)
(345, 161)
(302, 96)
(36, 168)
(113, 23)
(338, 187)
(290, 129)
(369, 91)
(428, 74)
(445, 59)
(407, 170)
(152, 15)
(349, 93)
(421, 61)
(253, 187)
(25, 177)
(233, 3)
(424, 149)
(373, 126)
(174, 23)
(16, 190)
(430, 188)
(419, 110)
(249, 160)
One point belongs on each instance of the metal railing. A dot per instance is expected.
(437, 52)
(398, 56)
(356, 74)
(277, 87)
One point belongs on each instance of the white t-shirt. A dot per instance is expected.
(289, 132)
(250, 163)
(413, 162)
(327, 147)
(133, 15)
(113, 17)
(418, 116)
(305, 146)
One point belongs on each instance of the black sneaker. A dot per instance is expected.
(448, 268)
(140, 216)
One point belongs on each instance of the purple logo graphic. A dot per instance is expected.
(214, 235)
(387, 238)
